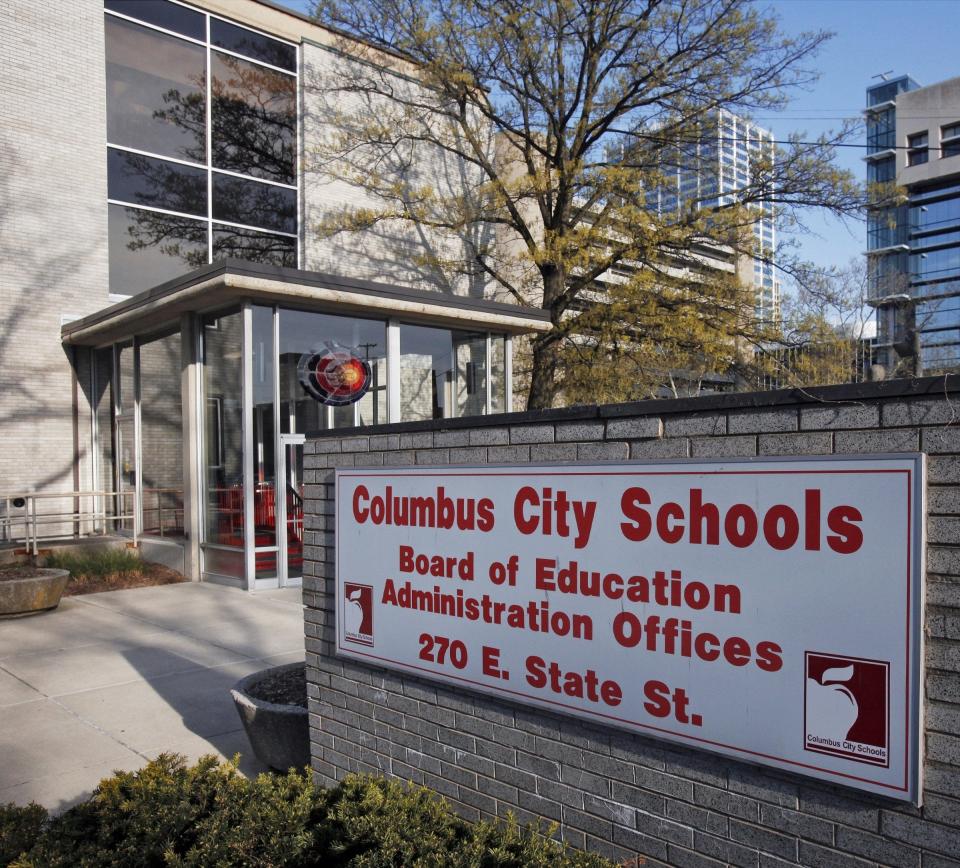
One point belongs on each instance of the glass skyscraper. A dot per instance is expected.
(711, 171)
(913, 228)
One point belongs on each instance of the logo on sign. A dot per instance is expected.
(358, 613)
(846, 708)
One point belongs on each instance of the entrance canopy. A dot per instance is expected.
(201, 391)
(225, 283)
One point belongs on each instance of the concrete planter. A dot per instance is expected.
(279, 734)
(32, 595)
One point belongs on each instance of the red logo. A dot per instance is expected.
(358, 613)
(335, 376)
(847, 708)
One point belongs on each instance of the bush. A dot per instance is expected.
(169, 814)
(97, 563)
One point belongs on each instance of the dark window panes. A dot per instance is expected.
(251, 44)
(249, 202)
(254, 119)
(155, 91)
(167, 15)
(156, 183)
(148, 248)
(229, 242)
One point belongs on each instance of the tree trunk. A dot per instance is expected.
(546, 348)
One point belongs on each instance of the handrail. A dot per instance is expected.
(25, 511)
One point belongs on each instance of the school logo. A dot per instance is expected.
(847, 707)
(334, 376)
(358, 613)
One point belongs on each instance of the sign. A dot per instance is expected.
(334, 377)
(768, 610)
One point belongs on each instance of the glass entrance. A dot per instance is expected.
(290, 509)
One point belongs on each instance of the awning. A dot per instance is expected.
(231, 282)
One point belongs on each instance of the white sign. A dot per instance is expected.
(769, 610)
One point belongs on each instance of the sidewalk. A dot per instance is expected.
(109, 681)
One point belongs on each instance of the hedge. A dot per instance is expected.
(172, 814)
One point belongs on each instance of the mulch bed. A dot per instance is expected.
(152, 574)
(18, 571)
(282, 688)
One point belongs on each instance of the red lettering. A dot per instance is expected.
(768, 656)
(359, 513)
(670, 533)
(744, 537)
(847, 538)
(736, 651)
(771, 527)
(525, 495)
(630, 506)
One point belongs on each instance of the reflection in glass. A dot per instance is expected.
(254, 116)
(498, 374)
(252, 44)
(103, 408)
(161, 437)
(155, 183)
(264, 459)
(148, 248)
(254, 204)
(231, 242)
(442, 373)
(293, 467)
(223, 431)
(169, 16)
(155, 91)
(302, 332)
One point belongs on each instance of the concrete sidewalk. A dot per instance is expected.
(109, 681)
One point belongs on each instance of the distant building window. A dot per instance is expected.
(917, 151)
(950, 140)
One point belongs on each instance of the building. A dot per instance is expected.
(710, 171)
(913, 240)
(172, 326)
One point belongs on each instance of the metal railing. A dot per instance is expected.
(31, 517)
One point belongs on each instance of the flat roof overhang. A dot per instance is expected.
(224, 284)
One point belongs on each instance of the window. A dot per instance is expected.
(882, 171)
(881, 131)
(950, 140)
(201, 161)
(443, 373)
(917, 152)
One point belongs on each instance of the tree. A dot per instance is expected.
(563, 116)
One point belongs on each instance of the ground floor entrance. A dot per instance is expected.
(200, 404)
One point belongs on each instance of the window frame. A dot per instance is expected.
(208, 167)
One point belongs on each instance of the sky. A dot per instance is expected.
(915, 37)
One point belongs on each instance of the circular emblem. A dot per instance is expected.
(334, 376)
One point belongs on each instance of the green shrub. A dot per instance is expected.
(169, 814)
(20, 827)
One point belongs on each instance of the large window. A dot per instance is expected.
(202, 136)
(303, 334)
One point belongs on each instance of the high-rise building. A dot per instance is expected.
(913, 230)
(711, 171)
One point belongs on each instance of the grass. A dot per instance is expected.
(109, 569)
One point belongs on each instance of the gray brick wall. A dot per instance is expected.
(612, 792)
(53, 231)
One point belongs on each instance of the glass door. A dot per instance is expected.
(290, 510)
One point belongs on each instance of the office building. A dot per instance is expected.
(172, 323)
(710, 171)
(913, 231)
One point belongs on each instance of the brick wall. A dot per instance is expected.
(612, 792)
(53, 231)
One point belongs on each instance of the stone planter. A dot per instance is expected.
(30, 596)
(279, 734)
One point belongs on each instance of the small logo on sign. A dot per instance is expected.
(358, 613)
(846, 708)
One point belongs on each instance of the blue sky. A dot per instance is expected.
(918, 37)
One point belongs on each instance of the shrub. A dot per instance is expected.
(20, 827)
(169, 814)
(96, 563)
